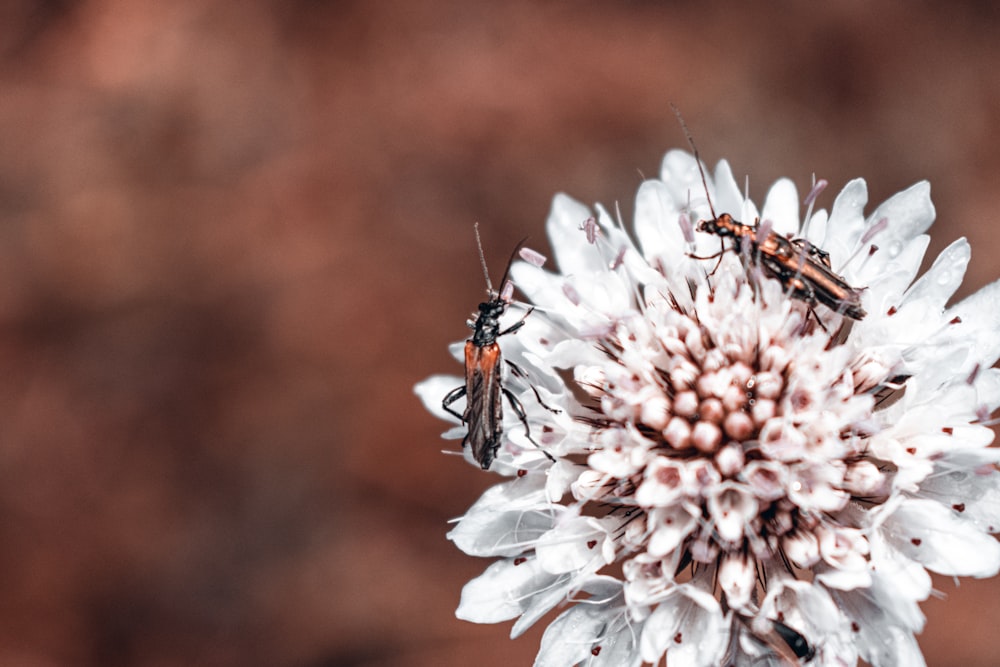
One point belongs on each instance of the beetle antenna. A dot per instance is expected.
(513, 255)
(697, 157)
(482, 260)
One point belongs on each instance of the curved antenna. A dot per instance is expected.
(697, 158)
(482, 260)
(513, 255)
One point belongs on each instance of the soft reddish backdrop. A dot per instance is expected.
(233, 235)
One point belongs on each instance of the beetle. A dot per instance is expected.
(803, 268)
(483, 388)
(784, 644)
(796, 643)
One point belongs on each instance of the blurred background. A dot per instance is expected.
(233, 235)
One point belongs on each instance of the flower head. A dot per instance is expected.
(725, 468)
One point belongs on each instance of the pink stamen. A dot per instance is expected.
(817, 189)
(532, 257)
(687, 229)
(874, 229)
(764, 229)
(507, 292)
(571, 294)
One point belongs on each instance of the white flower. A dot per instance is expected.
(726, 472)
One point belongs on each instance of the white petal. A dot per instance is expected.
(559, 478)
(625, 251)
(843, 579)
(737, 578)
(931, 405)
(887, 277)
(597, 632)
(781, 207)
(817, 486)
(809, 610)
(894, 647)
(663, 483)
(606, 297)
(815, 231)
(656, 223)
(679, 173)
(507, 519)
(729, 195)
(573, 254)
(503, 591)
(802, 548)
(987, 386)
(542, 602)
(846, 224)
(589, 302)
(894, 575)
(973, 494)
(575, 543)
(619, 649)
(909, 213)
(670, 525)
(936, 286)
(979, 317)
(731, 507)
(883, 622)
(570, 638)
(884, 618)
(541, 287)
(689, 626)
(572, 353)
(942, 541)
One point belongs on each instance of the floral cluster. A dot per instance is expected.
(719, 470)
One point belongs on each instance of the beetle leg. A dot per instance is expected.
(517, 325)
(519, 411)
(454, 395)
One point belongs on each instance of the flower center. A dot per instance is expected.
(738, 441)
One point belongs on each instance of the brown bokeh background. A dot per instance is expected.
(233, 235)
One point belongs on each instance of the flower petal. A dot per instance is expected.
(976, 322)
(909, 213)
(656, 223)
(886, 279)
(507, 520)
(597, 632)
(569, 242)
(576, 543)
(503, 591)
(542, 601)
(846, 224)
(936, 286)
(943, 542)
(688, 626)
(893, 647)
(679, 173)
(971, 493)
(729, 196)
(781, 207)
